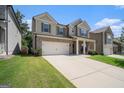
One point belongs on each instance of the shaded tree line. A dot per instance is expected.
(26, 33)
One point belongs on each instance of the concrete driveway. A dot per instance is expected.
(84, 72)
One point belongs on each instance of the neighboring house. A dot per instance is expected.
(10, 33)
(55, 38)
(104, 40)
(117, 47)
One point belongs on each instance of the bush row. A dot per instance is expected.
(36, 52)
(92, 52)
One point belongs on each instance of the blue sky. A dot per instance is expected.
(96, 16)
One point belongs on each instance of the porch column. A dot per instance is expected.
(84, 46)
(77, 47)
(94, 45)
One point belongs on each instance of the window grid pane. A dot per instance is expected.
(60, 31)
(45, 27)
(82, 32)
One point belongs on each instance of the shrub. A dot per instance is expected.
(24, 50)
(37, 52)
(92, 52)
(101, 53)
(24, 42)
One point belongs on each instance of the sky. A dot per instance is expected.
(96, 16)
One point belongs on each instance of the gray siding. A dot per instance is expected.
(14, 36)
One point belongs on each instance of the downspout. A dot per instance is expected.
(34, 30)
(35, 41)
(103, 41)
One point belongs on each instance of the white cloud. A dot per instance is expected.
(115, 24)
(120, 6)
(116, 30)
(107, 22)
(122, 24)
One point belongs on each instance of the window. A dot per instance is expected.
(82, 32)
(60, 30)
(109, 39)
(45, 27)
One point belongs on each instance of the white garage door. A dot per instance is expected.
(107, 51)
(54, 48)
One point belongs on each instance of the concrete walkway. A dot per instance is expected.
(116, 56)
(84, 72)
(3, 57)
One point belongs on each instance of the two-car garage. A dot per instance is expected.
(55, 48)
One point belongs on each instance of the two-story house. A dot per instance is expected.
(55, 38)
(104, 40)
(10, 33)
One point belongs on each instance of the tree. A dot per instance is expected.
(19, 16)
(26, 34)
(122, 35)
(122, 38)
(23, 24)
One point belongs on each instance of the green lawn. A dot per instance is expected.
(109, 60)
(29, 71)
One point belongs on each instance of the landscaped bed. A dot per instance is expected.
(30, 71)
(109, 60)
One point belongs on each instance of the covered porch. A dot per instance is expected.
(83, 45)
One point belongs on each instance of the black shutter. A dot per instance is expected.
(80, 31)
(49, 28)
(41, 27)
(76, 29)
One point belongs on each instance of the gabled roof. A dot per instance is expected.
(78, 22)
(61, 24)
(103, 29)
(84, 22)
(46, 14)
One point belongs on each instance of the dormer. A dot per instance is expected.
(79, 28)
(83, 29)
